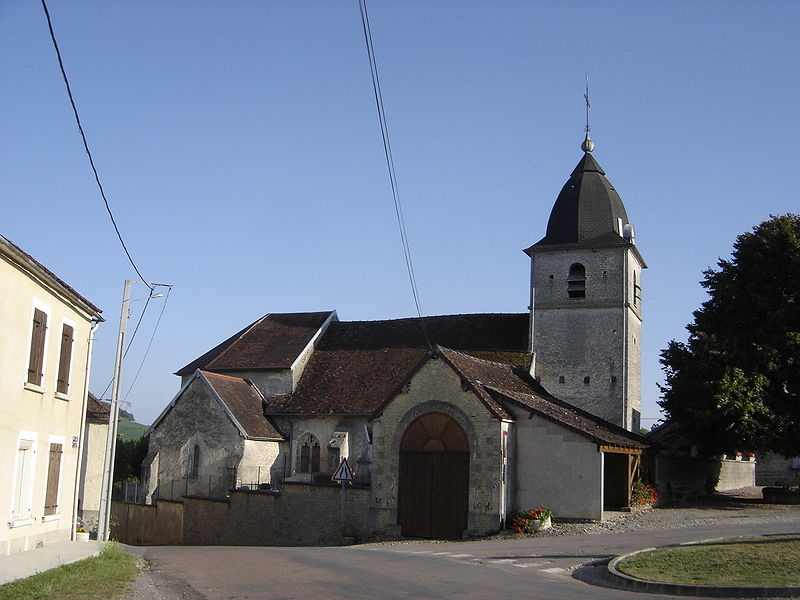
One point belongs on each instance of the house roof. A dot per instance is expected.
(273, 342)
(245, 403)
(360, 365)
(97, 410)
(571, 417)
(27, 262)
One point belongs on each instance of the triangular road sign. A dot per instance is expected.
(344, 472)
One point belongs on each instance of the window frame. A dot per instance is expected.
(309, 454)
(576, 280)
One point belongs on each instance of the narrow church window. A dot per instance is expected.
(586, 379)
(561, 379)
(309, 455)
(576, 281)
(637, 290)
(195, 461)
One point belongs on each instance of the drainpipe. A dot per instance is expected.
(82, 433)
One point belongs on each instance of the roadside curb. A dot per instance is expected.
(614, 575)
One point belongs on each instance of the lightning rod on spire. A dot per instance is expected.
(588, 144)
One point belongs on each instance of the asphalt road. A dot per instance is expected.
(540, 567)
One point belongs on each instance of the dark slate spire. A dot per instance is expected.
(588, 210)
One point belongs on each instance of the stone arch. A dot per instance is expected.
(434, 477)
(433, 406)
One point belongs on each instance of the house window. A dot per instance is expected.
(23, 479)
(65, 359)
(576, 281)
(53, 473)
(195, 467)
(38, 336)
(796, 462)
(309, 455)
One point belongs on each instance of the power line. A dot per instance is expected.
(387, 150)
(86, 144)
(130, 341)
(149, 344)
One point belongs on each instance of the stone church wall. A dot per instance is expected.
(437, 388)
(580, 342)
(196, 419)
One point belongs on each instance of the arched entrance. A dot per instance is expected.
(434, 478)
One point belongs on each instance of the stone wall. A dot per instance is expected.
(297, 515)
(437, 388)
(774, 469)
(683, 479)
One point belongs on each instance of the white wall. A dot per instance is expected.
(556, 467)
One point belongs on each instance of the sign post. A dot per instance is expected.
(344, 474)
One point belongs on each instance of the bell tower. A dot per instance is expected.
(586, 299)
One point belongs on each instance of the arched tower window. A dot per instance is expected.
(576, 281)
(195, 461)
(309, 455)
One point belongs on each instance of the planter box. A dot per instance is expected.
(81, 536)
(541, 524)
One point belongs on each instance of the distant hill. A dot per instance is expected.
(129, 431)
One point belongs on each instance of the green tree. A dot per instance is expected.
(735, 383)
(128, 458)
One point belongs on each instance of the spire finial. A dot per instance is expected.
(588, 144)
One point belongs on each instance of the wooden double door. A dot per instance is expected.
(434, 478)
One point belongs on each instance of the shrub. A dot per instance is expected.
(644, 494)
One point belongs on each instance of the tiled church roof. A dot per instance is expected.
(272, 342)
(360, 365)
(245, 404)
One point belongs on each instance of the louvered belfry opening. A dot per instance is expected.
(434, 478)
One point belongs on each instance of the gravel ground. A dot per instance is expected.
(745, 503)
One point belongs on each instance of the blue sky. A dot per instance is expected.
(240, 149)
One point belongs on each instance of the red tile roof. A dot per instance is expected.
(360, 365)
(245, 404)
(97, 410)
(273, 342)
(571, 417)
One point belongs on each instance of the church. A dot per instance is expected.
(450, 424)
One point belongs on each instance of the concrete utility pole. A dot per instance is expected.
(104, 518)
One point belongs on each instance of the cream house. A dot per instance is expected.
(45, 355)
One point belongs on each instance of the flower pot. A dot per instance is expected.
(541, 524)
(81, 536)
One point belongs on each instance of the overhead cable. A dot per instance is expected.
(387, 150)
(86, 144)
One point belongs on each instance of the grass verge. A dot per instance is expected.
(106, 576)
(768, 560)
